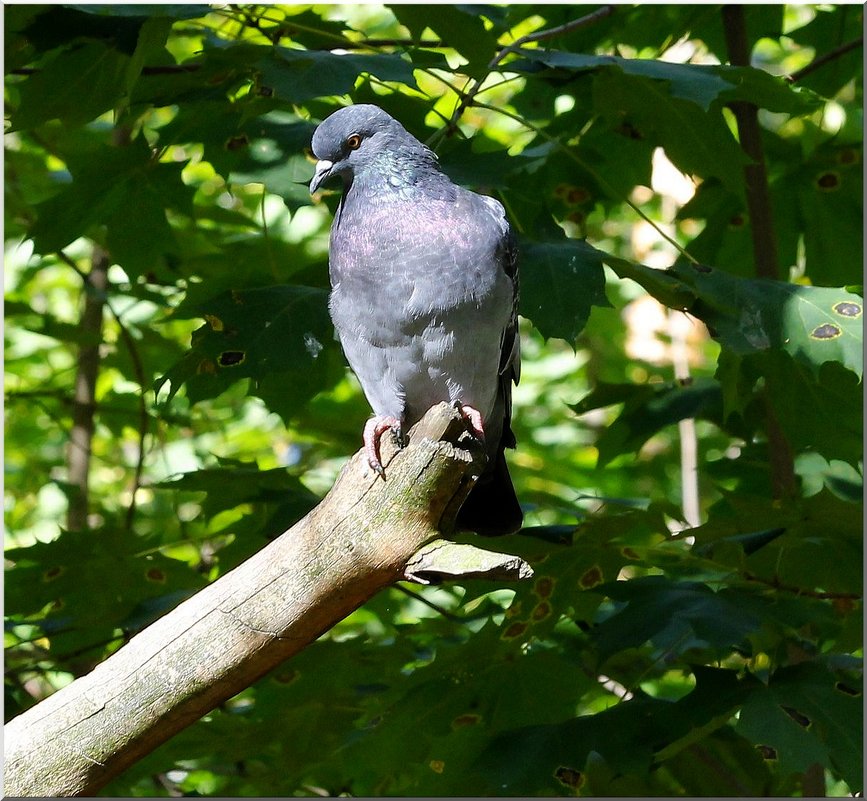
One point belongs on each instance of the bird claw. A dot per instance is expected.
(373, 431)
(474, 418)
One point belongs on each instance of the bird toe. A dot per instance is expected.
(372, 436)
(474, 418)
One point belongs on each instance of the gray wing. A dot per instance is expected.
(492, 508)
(510, 347)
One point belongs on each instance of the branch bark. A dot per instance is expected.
(365, 534)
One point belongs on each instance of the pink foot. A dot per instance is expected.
(373, 431)
(474, 418)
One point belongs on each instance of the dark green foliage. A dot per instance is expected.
(645, 657)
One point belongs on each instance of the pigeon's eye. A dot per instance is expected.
(354, 142)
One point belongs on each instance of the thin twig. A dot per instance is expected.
(467, 97)
(372, 43)
(51, 413)
(167, 69)
(821, 61)
(576, 158)
(596, 176)
(820, 595)
(143, 418)
(421, 599)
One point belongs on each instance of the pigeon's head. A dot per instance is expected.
(361, 139)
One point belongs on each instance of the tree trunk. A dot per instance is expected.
(766, 262)
(84, 395)
(365, 535)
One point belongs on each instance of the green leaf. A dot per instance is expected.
(126, 190)
(63, 26)
(151, 43)
(310, 29)
(281, 337)
(831, 28)
(820, 548)
(805, 717)
(818, 551)
(673, 616)
(560, 282)
(697, 141)
(227, 487)
(299, 75)
(843, 479)
(813, 324)
(738, 771)
(74, 86)
(817, 205)
(726, 237)
(248, 142)
(766, 91)
(460, 27)
(172, 10)
(819, 412)
(665, 285)
(648, 409)
(626, 735)
(829, 190)
(700, 84)
(750, 543)
(45, 585)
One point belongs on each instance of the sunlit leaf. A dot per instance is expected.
(560, 281)
(813, 324)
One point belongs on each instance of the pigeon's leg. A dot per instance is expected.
(474, 418)
(373, 431)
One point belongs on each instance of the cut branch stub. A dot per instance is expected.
(442, 560)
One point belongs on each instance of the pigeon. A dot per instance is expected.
(424, 288)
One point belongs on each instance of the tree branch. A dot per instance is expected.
(84, 393)
(361, 538)
(821, 61)
(749, 132)
(766, 262)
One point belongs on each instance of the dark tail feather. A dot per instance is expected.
(492, 508)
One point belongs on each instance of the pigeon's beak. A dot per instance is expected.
(322, 174)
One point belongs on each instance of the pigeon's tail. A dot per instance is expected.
(492, 509)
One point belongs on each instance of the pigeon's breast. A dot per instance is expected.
(420, 300)
(406, 261)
